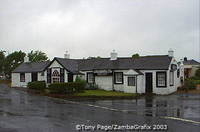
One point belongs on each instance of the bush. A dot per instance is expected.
(197, 74)
(38, 85)
(91, 86)
(191, 83)
(59, 88)
(66, 88)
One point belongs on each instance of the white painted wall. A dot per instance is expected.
(16, 80)
(104, 82)
(55, 64)
(120, 87)
(128, 89)
(40, 77)
(140, 85)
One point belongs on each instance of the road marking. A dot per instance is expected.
(180, 119)
(124, 111)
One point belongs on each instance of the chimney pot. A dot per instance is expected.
(171, 53)
(66, 55)
(113, 55)
(26, 59)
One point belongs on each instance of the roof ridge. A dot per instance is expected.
(109, 57)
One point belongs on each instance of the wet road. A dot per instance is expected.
(22, 112)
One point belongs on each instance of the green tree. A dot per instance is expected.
(37, 56)
(12, 61)
(135, 55)
(2, 59)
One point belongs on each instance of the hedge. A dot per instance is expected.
(191, 83)
(66, 88)
(38, 85)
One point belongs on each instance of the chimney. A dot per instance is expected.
(66, 55)
(185, 58)
(113, 55)
(171, 53)
(26, 59)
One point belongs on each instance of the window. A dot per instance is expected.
(161, 79)
(55, 76)
(171, 78)
(90, 77)
(56, 79)
(131, 81)
(178, 73)
(42, 74)
(118, 77)
(22, 77)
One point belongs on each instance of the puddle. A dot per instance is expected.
(2, 100)
(6, 113)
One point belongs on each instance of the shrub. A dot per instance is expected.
(66, 88)
(59, 88)
(191, 83)
(197, 73)
(38, 85)
(91, 86)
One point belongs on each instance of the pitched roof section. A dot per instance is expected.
(69, 64)
(141, 63)
(191, 62)
(31, 67)
(76, 65)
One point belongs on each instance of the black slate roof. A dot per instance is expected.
(191, 62)
(69, 64)
(31, 67)
(75, 65)
(141, 63)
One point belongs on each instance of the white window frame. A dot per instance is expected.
(131, 82)
(55, 76)
(118, 77)
(22, 77)
(171, 78)
(56, 79)
(161, 79)
(90, 77)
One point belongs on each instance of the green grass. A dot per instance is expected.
(103, 93)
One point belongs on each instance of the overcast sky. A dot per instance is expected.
(96, 27)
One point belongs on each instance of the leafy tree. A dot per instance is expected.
(37, 56)
(12, 61)
(135, 55)
(2, 59)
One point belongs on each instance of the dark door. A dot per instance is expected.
(149, 82)
(62, 75)
(70, 77)
(49, 75)
(34, 76)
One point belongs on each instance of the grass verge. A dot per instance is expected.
(8, 82)
(105, 94)
(191, 91)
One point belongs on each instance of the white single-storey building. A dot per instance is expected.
(158, 74)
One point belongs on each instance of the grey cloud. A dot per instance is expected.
(94, 28)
